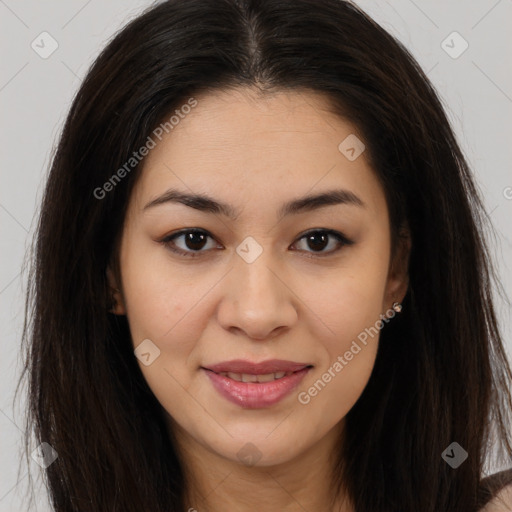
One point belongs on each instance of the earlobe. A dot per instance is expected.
(115, 296)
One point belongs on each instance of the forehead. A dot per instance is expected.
(240, 121)
(256, 145)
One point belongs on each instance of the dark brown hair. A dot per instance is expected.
(441, 373)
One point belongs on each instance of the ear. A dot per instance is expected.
(398, 275)
(115, 294)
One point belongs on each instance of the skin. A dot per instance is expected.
(256, 153)
(502, 502)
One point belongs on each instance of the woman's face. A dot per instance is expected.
(260, 280)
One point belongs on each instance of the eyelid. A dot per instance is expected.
(340, 237)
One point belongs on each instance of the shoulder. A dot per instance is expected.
(496, 492)
(502, 502)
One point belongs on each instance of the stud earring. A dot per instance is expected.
(397, 307)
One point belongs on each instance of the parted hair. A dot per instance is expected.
(441, 374)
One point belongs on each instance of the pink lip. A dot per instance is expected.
(256, 395)
(243, 366)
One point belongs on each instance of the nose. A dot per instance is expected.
(258, 301)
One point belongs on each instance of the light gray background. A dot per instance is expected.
(35, 94)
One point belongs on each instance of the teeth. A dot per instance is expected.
(246, 377)
(267, 377)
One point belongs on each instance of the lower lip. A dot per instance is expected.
(256, 395)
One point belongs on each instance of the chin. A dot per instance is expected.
(258, 452)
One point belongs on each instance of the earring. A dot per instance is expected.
(397, 307)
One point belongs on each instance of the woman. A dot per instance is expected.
(261, 278)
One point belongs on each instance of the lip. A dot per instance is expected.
(256, 395)
(244, 366)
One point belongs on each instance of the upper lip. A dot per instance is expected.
(262, 368)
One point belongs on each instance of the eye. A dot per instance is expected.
(319, 239)
(194, 240)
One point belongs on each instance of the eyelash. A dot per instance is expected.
(343, 240)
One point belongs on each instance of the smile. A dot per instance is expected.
(247, 377)
(257, 388)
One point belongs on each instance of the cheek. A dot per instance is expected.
(352, 318)
(348, 358)
(162, 305)
(351, 307)
(154, 304)
(156, 294)
(352, 300)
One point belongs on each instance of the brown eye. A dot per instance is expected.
(319, 239)
(193, 242)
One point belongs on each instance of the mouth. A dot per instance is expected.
(256, 385)
(247, 377)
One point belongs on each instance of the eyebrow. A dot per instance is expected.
(204, 203)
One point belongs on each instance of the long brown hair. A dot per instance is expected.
(441, 373)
